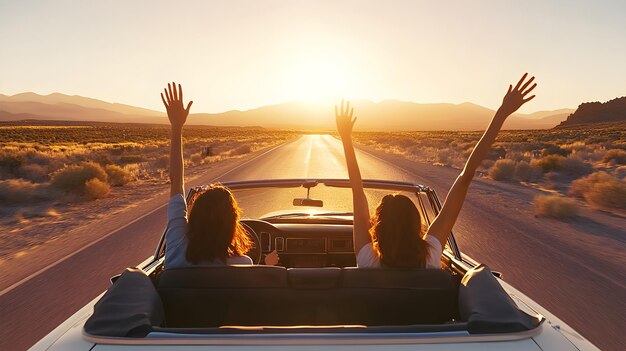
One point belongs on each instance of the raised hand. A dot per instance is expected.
(516, 97)
(345, 121)
(173, 102)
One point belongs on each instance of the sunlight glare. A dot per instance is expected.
(315, 77)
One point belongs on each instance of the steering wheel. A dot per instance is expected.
(255, 251)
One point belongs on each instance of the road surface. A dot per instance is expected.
(573, 269)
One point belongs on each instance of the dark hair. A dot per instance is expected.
(213, 229)
(396, 233)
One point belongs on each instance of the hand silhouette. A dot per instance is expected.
(345, 122)
(515, 97)
(173, 102)
(271, 259)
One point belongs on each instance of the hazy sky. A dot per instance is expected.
(244, 54)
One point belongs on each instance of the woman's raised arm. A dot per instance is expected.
(360, 231)
(513, 100)
(177, 114)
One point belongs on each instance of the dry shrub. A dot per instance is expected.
(73, 178)
(515, 156)
(443, 156)
(96, 188)
(577, 146)
(162, 162)
(486, 164)
(117, 150)
(549, 163)
(467, 152)
(580, 186)
(33, 172)
(552, 180)
(136, 171)
(101, 157)
(240, 150)
(196, 158)
(20, 190)
(574, 166)
(131, 159)
(616, 155)
(607, 195)
(502, 170)
(551, 149)
(11, 163)
(402, 142)
(571, 165)
(117, 175)
(587, 152)
(555, 206)
(601, 190)
(496, 153)
(524, 172)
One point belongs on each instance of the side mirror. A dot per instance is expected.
(308, 202)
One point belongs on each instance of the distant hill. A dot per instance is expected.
(73, 108)
(385, 115)
(545, 114)
(7, 116)
(597, 112)
(85, 102)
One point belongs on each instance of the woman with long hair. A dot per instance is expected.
(393, 238)
(207, 230)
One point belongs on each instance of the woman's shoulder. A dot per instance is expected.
(367, 258)
(239, 260)
(433, 241)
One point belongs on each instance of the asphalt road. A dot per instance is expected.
(573, 269)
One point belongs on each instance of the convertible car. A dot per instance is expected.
(315, 297)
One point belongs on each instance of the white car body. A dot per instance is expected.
(552, 334)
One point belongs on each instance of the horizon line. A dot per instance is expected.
(375, 101)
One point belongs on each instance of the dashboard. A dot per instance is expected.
(306, 244)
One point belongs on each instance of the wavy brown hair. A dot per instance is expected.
(396, 233)
(213, 229)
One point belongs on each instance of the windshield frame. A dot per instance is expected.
(377, 184)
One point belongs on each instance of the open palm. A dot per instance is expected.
(173, 102)
(516, 97)
(345, 121)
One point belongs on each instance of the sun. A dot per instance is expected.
(315, 77)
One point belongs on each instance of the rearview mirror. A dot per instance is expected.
(308, 202)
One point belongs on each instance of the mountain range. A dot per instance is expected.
(386, 115)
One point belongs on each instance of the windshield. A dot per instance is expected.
(276, 201)
(279, 202)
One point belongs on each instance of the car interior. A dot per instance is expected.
(315, 288)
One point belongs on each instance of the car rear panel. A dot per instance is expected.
(520, 345)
